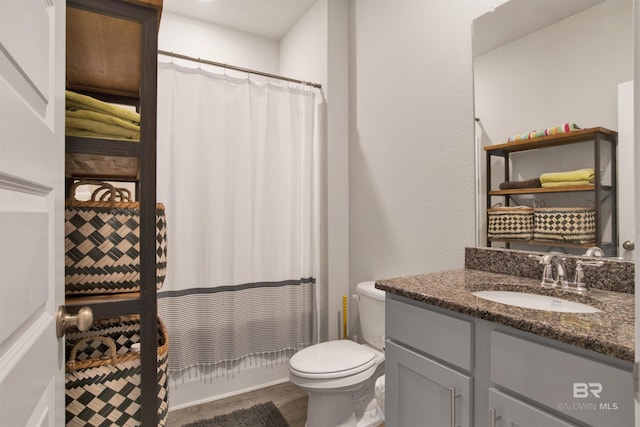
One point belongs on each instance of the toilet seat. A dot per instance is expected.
(332, 359)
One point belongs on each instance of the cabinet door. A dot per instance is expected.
(420, 391)
(582, 388)
(506, 411)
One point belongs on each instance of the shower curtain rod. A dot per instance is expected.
(233, 67)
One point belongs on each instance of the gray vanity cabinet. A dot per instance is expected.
(500, 376)
(421, 390)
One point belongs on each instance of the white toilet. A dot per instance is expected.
(340, 375)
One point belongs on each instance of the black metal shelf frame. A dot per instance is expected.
(146, 306)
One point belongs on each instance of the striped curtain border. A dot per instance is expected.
(229, 288)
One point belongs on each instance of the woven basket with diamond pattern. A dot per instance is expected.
(102, 242)
(569, 225)
(510, 223)
(102, 379)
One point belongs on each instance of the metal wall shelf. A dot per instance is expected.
(598, 136)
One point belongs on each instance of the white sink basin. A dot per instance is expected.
(536, 302)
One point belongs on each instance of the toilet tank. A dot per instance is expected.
(371, 309)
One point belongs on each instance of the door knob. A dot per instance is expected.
(64, 320)
(629, 245)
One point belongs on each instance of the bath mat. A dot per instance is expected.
(260, 415)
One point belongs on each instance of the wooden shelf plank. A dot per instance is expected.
(544, 243)
(546, 190)
(107, 147)
(583, 135)
(105, 306)
(156, 4)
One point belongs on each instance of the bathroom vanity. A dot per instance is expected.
(456, 359)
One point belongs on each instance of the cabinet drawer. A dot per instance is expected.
(444, 337)
(580, 387)
(510, 411)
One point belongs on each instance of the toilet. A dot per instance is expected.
(340, 376)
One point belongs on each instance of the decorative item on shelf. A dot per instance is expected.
(510, 222)
(539, 133)
(102, 379)
(569, 225)
(102, 242)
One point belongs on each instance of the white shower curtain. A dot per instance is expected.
(238, 174)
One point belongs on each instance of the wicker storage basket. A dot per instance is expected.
(102, 380)
(510, 223)
(102, 242)
(569, 225)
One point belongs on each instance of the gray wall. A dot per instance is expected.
(411, 156)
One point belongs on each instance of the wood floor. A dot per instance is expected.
(290, 400)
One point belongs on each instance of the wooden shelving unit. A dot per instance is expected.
(112, 56)
(599, 137)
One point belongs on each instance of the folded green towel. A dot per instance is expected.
(564, 183)
(587, 174)
(100, 127)
(84, 102)
(101, 117)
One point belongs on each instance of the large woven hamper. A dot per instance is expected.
(569, 225)
(102, 380)
(102, 243)
(510, 222)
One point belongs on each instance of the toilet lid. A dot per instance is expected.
(332, 359)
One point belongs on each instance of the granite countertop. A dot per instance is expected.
(610, 332)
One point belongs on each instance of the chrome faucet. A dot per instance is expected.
(554, 260)
(550, 261)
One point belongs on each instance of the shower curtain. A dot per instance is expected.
(238, 174)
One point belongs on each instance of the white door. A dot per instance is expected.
(626, 171)
(636, 156)
(32, 46)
